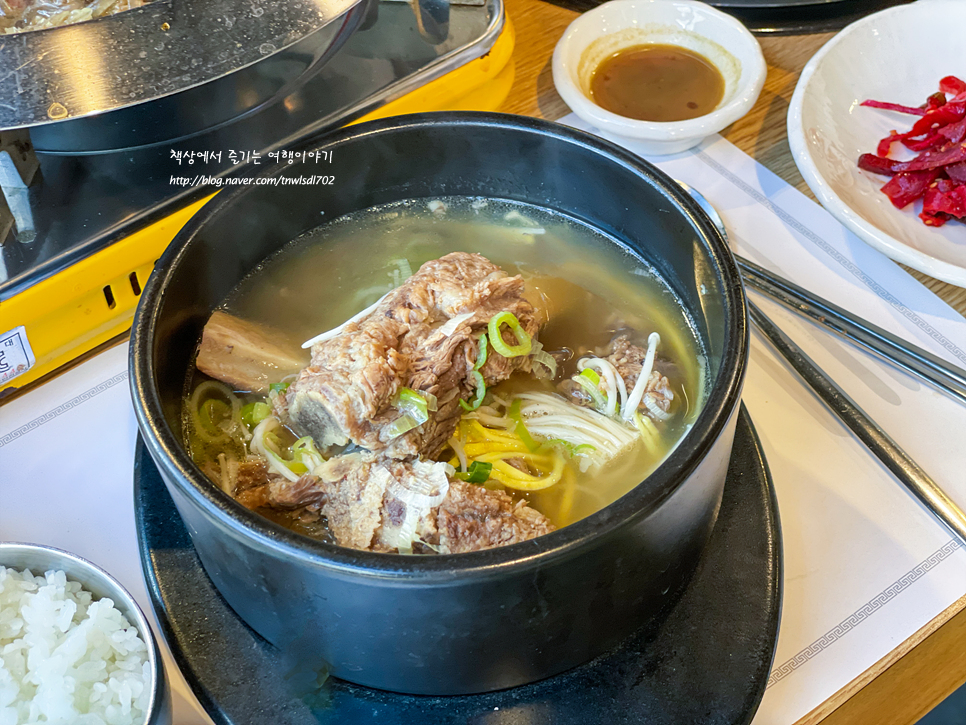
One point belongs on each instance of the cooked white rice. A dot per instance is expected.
(66, 659)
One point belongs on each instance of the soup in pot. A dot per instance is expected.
(444, 376)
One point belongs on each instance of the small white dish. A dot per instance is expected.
(896, 55)
(621, 24)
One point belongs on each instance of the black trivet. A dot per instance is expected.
(707, 662)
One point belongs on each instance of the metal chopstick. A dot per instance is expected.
(946, 377)
(934, 370)
(909, 357)
(875, 439)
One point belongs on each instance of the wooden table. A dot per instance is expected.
(926, 668)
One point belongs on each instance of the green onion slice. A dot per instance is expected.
(524, 345)
(592, 375)
(481, 355)
(305, 452)
(296, 467)
(278, 387)
(254, 413)
(409, 402)
(477, 377)
(571, 449)
(586, 382)
(415, 411)
(520, 428)
(544, 359)
(213, 412)
(304, 443)
(274, 450)
(478, 472)
(402, 424)
(480, 391)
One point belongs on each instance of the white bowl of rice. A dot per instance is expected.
(75, 649)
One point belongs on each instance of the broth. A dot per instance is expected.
(657, 82)
(586, 287)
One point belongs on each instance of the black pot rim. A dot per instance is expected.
(722, 401)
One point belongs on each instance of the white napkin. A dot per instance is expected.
(866, 565)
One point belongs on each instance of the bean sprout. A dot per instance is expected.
(460, 453)
(627, 413)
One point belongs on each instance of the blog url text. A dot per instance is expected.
(204, 180)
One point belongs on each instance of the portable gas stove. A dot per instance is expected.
(91, 206)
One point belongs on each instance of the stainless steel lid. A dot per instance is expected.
(140, 55)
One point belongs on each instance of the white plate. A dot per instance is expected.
(897, 55)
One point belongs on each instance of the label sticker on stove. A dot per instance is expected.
(16, 357)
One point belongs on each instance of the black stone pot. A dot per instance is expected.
(485, 620)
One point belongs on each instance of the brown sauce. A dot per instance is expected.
(657, 83)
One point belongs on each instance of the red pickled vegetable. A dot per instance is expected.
(877, 164)
(904, 188)
(936, 100)
(952, 85)
(940, 117)
(954, 132)
(957, 172)
(943, 200)
(885, 145)
(934, 159)
(896, 107)
(938, 174)
(927, 127)
(930, 142)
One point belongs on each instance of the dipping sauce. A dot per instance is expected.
(657, 82)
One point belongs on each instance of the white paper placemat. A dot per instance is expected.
(865, 566)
